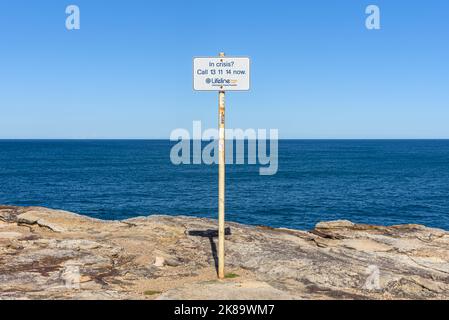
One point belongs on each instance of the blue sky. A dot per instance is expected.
(317, 72)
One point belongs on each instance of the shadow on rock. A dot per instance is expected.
(210, 234)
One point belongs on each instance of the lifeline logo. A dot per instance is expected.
(220, 81)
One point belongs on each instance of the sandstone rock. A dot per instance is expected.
(31, 218)
(52, 254)
(217, 290)
(10, 235)
(334, 224)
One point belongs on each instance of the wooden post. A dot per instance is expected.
(221, 183)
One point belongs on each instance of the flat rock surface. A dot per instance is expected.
(50, 254)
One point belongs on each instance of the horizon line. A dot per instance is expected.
(167, 139)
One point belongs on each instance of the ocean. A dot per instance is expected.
(366, 181)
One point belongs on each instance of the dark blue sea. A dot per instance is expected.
(367, 181)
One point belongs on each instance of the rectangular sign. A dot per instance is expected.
(221, 74)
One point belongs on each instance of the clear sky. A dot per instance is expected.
(317, 72)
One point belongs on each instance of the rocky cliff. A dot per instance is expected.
(49, 254)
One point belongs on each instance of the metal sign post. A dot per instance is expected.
(221, 74)
(221, 182)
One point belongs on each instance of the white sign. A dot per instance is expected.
(221, 74)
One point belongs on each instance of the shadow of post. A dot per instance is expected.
(210, 234)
